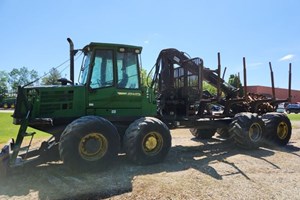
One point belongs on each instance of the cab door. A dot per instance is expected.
(114, 85)
(129, 95)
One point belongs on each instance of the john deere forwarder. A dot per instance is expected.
(109, 111)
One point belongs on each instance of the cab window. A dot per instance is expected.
(85, 68)
(102, 73)
(127, 64)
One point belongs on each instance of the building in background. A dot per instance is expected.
(280, 93)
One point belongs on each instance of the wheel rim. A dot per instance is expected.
(93, 146)
(152, 143)
(255, 132)
(282, 130)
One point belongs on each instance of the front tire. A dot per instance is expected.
(147, 141)
(89, 142)
(278, 129)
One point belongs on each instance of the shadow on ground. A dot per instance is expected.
(53, 181)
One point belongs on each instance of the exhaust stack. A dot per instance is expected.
(71, 60)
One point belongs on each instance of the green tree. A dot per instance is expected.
(52, 78)
(3, 84)
(145, 79)
(22, 76)
(211, 89)
(235, 81)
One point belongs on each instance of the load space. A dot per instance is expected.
(112, 111)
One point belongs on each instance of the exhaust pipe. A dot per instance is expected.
(71, 60)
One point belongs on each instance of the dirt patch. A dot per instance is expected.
(194, 169)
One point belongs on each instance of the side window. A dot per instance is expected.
(127, 70)
(85, 68)
(102, 74)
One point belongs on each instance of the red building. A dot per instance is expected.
(280, 93)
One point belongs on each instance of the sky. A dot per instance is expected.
(33, 33)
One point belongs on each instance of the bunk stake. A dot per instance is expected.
(245, 77)
(219, 77)
(290, 82)
(272, 81)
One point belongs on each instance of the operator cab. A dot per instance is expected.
(110, 65)
(110, 73)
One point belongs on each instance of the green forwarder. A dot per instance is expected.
(109, 111)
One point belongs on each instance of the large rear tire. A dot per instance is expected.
(147, 141)
(247, 130)
(278, 129)
(203, 133)
(89, 142)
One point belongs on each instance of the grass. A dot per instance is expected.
(294, 117)
(8, 130)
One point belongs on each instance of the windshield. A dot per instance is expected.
(85, 68)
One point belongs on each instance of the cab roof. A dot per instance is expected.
(96, 45)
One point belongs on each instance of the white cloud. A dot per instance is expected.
(146, 41)
(287, 57)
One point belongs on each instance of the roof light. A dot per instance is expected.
(122, 49)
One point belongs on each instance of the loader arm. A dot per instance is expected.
(178, 80)
(171, 58)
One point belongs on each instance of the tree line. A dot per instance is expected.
(9, 81)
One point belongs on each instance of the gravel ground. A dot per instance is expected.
(211, 169)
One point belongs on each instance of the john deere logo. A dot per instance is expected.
(129, 93)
